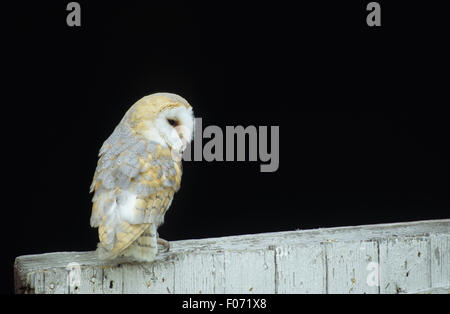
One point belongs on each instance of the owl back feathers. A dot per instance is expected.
(134, 184)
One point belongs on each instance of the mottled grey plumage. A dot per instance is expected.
(119, 162)
(136, 176)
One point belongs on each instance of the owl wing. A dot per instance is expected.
(134, 184)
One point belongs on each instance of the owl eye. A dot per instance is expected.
(172, 122)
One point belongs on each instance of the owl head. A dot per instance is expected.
(164, 118)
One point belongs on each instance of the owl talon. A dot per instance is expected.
(164, 243)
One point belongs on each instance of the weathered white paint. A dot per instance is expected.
(413, 257)
(440, 259)
(405, 264)
(347, 266)
(300, 268)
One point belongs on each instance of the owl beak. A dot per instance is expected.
(183, 140)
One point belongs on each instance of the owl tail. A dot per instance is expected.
(145, 247)
(116, 237)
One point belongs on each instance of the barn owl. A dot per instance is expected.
(137, 175)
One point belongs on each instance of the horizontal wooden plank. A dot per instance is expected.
(385, 258)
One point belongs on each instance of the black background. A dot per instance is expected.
(363, 125)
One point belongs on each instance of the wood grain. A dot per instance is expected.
(411, 257)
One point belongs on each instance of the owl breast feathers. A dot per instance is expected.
(137, 175)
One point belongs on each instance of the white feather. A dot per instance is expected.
(126, 202)
(176, 137)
